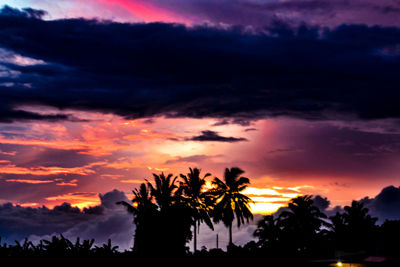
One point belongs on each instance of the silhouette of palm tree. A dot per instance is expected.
(142, 201)
(162, 218)
(197, 199)
(357, 215)
(302, 222)
(164, 190)
(175, 218)
(144, 211)
(302, 208)
(267, 232)
(354, 229)
(230, 202)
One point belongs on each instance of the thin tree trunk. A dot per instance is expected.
(230, 234)
(195, 238)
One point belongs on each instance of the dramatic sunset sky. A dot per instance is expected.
(97, 95)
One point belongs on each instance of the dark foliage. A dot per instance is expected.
(57, 247)
(165, 212)
(230, 203)
(355, 230)
(162, 218)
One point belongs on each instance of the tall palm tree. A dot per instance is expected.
(142, 202)
(230, 202)
(174, 221)
(193, 188)
(143, 209)
(164, 190)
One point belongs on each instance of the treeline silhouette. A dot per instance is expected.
(165, 212)
(57, 247)
(168, 213)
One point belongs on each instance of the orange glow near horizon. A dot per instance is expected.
(261, 205)
(101, 152)
(79, 200)
(267, 200)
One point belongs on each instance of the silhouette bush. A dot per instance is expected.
(166, 211)
(57, 247)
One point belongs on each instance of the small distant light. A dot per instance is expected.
(339, 264)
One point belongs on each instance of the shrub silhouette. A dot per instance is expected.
(166, 211)
(57, 247)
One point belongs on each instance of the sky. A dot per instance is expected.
(97, 95)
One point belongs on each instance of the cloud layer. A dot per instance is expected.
(111, 221)
(99, 222)
(258, 13)
(144, 70)
(211, 136)
(70, 89)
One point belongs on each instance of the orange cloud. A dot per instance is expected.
(70, 183)
(80, 200)
(12, 153)
(28, 181)
(99, 137)
(158, 169)
(41, 170)
(29, 204)
(111, 176)
(131, 181)
(57, 144)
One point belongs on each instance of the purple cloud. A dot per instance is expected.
(107, 220)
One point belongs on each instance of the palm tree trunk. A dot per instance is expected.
(230, 234)
(195, 238)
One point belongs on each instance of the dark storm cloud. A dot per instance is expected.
(211, 136)
(107, 220)
(25, 12)
(386, 204)
(260, 12)
(8, 114)
(327, 7)
(239, 121)
(145, 70)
